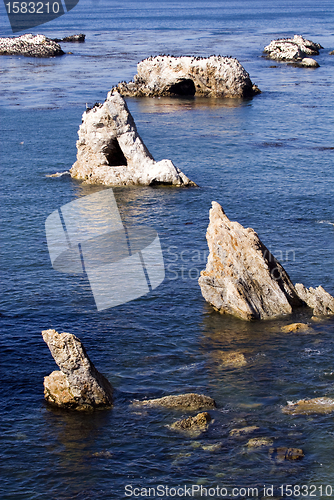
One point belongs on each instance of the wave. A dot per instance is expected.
(59, 174)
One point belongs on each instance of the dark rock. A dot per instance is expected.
(71, 39)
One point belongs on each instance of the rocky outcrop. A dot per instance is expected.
(71, 39)
(78, 386)
(317, 299)
(190, 401)
(296, 49)
(244, 279)
(30, 46)
(110, 151)
(213, 76)
(310, 407)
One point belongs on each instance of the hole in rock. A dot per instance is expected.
(114, 155)
(183, 87)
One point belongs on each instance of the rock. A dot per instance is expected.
(213, 76)
(234, 359)
(110, 151)
(190, 401)
(310, 406)
(282, 453)
(331, 53)
(259, 442)
(212, 447)
(195, 425)
(71, 39)
(242, 277)
(294, 327)
(78, 386)
(243, 431)
(317, 299)
(308, 62)
(30, 46)
(292, 49)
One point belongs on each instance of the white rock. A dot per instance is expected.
(317, 299)
(292, 49)
(30, 46)
(308, 62)
(214, 76)
(111, 152)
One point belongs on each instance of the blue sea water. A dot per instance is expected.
(268, 161)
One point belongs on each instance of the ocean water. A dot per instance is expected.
(268, 161)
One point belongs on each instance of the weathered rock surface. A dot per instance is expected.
(310, 406)
(317, 299)
(71, 39)
(259, 442)
(190, 401)
(292, 49)
(78, 386)
(30, 46)
(110, 151)
(242, 277)
(194, 425)
(213, 76)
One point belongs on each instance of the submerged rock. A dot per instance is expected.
(111, 152)
(243, 431)
(194, 425)
(78, 386)
(213, 76)
(282, 453)
(190, 401)
(242, 277)
(234, 359)
(30, 46)
(71, 39)
(293, 327)
(317, 299)
(310, 406)
(259, 442)
(292, 49)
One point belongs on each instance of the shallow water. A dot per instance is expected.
(267, 161)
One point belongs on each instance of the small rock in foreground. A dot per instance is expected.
(195, 425)
(282, 453)
(310, 406)
(30, 46)
(190, 401)
(111, 152)
(78, 386)
(295, 327)
(213, 76)
(292, 49)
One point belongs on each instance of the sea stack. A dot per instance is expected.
(244, 279)
(297, 50)
(213, 76)
(78, 385)
(111, 152)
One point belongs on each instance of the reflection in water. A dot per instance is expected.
(181, 104)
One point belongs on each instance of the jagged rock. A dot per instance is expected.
(317, 299)
(213, 76)
(194, 425)
(110, 151)
(308, 62)
(292, 49)
(242, 277)
(190, 401)
(78, 386)
(310, 406)
(71, 39)
(30, 46)
(282, 453)
(295, 327)
(243, 431)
